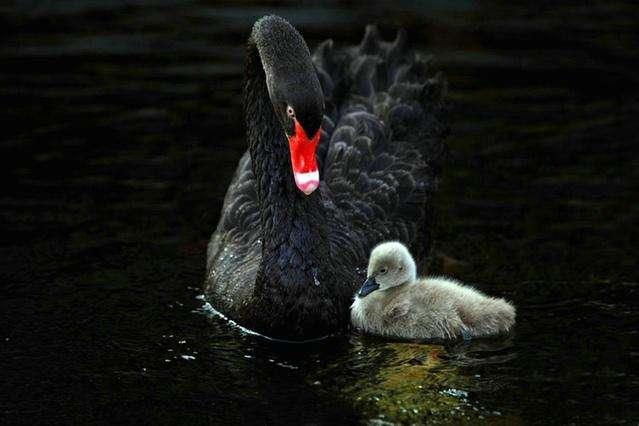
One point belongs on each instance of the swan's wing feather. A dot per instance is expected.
(240, 210)
(381, 188)
(234, 252)
(235, 245)
(384, 152)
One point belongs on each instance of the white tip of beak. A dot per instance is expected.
(307, 182)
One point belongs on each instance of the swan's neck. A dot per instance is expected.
(295, 249)
(289, 218)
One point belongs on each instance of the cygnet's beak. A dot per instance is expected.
(369, 286)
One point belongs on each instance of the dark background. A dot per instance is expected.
(122, 125)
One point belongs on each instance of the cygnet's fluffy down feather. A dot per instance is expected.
(427, 308)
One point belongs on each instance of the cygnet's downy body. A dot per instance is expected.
(393, 302)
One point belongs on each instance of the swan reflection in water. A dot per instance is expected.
(414, 382)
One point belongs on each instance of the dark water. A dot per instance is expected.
(121, 126)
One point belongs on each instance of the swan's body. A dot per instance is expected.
(395, 303)
(285, 255)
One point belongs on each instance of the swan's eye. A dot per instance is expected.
(290, 111)
(383, 271)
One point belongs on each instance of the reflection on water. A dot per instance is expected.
(405, 382)
(123, 125)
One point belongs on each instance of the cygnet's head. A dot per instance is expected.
(390, 265)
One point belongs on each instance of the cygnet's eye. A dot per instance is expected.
(383, 271)
(290, 111)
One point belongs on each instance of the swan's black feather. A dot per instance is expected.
(379, 156)
(384, 155)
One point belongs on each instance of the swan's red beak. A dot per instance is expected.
(303, 159)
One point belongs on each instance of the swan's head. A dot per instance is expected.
(390, 265)
(295, 92)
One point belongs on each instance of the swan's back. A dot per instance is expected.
(385, 120)
(379, 159)
(482, 315)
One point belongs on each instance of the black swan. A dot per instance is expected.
(344, 152)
